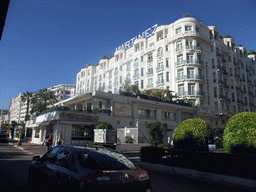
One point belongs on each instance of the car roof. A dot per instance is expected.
(88, 149)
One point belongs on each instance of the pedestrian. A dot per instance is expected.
(60, 139)
(49, 142)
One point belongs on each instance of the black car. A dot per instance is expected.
(76, 168)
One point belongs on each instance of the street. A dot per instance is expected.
(14, 165)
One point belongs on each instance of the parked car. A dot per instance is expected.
(76, 168)
(3, 138)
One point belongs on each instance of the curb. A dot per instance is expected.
(21, 148)
(237, 182)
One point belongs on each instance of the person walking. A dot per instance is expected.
(49, 142)
(60, 139)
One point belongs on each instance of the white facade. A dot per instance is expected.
(186, 57)
(18, 109)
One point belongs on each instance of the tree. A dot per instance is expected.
(192, 134)
(157, 131)
(251, 52)
(186, 15)
(240, 133)
(26, 97)
(105, 57)
(42, 99)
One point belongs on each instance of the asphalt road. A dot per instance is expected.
(14, 165)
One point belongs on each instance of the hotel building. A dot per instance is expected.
(187, 57)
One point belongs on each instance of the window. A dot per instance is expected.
(214, 77)
(141, 58)
(188, 44)
(110, 74)
(188, 28)
(110, 85)
(167, 76)
(136, 73)
(166, 48)
(180, 74)
(169, 116)
(191, 89)
(178, 30)
(150, 58)
(128, 77)
(116, 70)
(216, 106)
(179, 46)
(63, 159)
(160, 78)
(213, 63)
(167, 62)
(145, 113)
(142, 71)
(142, 84)
(136, 62)
(180, 60)
(181, 90)
(116, 81)
(150, 71)
(151, 44)
(128, 67)
(150, 82)
(50, 156)
(160, 52)
(190, 73)
(190, 58)
(215, 91)
(121, 67)
(160, 65)
(120, 80)
(212, 49)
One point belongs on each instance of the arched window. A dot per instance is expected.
(136, 62)
(160, 52)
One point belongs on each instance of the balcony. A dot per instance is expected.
(179, 49)
(191, 92)
(161, 67)
(150, 73)
(195, 77)
(159, 82)
(150, 85)
(135, 76)
(194, 48)
(182, 93)
(180, 78)
(115, 84)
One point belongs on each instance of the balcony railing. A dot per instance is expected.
(150, 73)
(150, 85)
(135, 76)
(161, 81)
(161, 67)
(182, 93)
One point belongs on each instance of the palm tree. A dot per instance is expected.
(42, 99)
(26, 97)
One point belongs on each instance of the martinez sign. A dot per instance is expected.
(148, 33)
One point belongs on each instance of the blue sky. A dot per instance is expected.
(47, 42)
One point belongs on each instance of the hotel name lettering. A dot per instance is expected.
(148, 33)
(80, 117)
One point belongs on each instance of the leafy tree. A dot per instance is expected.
(192, 134)
(251, 52)
(42, 99)
(26, 97)
(157, 131)
(240, 133)
(105, 126)
(105, 57)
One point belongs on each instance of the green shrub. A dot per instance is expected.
(129, 139)
(106, 126)
(240, 133)
(192, 134)
(157, 130)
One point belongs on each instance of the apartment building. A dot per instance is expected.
(18, 109)
(187, 57)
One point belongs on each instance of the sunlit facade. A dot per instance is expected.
(186, 57)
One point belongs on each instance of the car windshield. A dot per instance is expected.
(106, 160)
